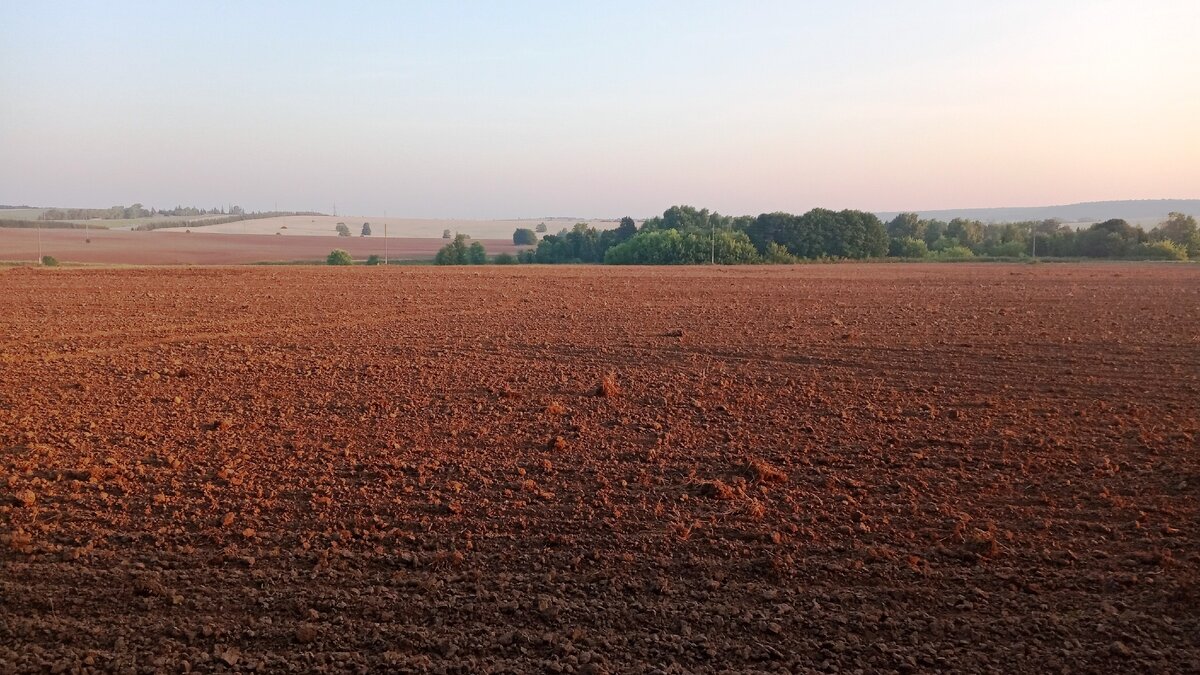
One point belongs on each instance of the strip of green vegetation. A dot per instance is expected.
(686, 236)
(49, 225)
(358, 263)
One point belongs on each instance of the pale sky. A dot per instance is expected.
(600, 109)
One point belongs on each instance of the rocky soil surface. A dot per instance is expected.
(863, 468)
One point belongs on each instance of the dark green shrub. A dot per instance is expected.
(339, 257)
(476, 254)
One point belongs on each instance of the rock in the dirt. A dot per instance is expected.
(305, 634)
(230, 656)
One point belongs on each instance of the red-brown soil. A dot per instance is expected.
(176, 247)
(873, 468)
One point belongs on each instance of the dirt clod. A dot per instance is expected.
(607, 388)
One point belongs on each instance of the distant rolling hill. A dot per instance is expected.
(1138, 211)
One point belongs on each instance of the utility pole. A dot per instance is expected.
(1033, 231)
(39, 229)
(385, 259)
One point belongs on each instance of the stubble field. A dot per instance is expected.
(881, 467)
(175, 247)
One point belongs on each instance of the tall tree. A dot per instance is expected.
(906, 225)
(524, 236)
(625, 230)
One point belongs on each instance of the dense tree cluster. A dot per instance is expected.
(685, 235)
(671, 247)
(458, 252)
(912, 237)
(583, 243)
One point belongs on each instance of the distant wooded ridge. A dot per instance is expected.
(1133, 210)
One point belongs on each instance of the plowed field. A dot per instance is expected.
(578, 469)
(173, 247)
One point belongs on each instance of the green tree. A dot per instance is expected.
(969, 233)
(906, 225)
(934, 230)
(777, 254)
(366, 230)
(769, 228)
(540, 229)
(524, 236)
(454, 253)
(815, 235)
(859, 235)
(342, 230)
(1112, 238)
(910, 247)
(339, 257)
(580, 244)
(504, 259)
(446, 234)
(625, 230)
(374, 260)
(1180, 229)
(476, 254)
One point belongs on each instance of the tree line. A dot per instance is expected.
(1176, 238)
(135, 211)
(166, 224)
(684, 235)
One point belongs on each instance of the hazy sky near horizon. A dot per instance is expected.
(529, 109)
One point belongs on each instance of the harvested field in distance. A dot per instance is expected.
(885, 467)
(176, 247)
(397, 227)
